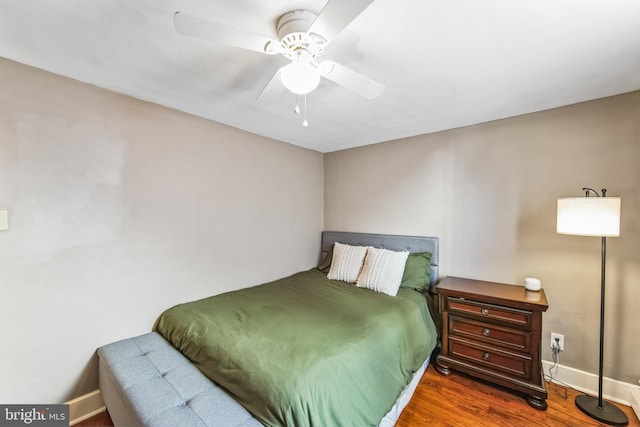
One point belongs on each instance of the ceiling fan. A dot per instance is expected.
(302, 38)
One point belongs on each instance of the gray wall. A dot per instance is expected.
(489, 192)
(119, 209)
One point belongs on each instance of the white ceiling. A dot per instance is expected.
(445, 64)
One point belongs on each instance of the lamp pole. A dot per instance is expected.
(597, 408)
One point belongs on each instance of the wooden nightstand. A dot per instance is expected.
(493, 331)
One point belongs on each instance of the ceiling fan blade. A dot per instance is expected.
(336, 16)
(194, 26)
(352, 80)
(273, 89)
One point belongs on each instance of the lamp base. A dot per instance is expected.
(608, 413)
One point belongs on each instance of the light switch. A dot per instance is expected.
(4, 221)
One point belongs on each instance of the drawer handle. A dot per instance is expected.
(485, 356)
(486, 332)
(484, 311)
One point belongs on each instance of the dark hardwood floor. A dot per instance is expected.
(459, 400)
(100, 420)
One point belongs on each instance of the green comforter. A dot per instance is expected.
(305, 350)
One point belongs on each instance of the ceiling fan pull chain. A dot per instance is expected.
(305, 123)
(296, 109)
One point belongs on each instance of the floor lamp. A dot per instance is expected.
(594, 216)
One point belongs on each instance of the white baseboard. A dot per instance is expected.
(635, 401)
(586, 382)
(84, 407)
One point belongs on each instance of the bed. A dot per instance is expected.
(314, 349)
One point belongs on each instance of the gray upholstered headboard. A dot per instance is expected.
(386, 241)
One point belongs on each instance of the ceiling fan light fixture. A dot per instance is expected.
(301, 76)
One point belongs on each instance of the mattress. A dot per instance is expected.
(305, 350)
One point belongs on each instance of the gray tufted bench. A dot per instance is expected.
(147, 382)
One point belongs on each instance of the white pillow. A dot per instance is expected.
(383, 270)
(346, 262)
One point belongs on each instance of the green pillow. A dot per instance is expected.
(417, 271)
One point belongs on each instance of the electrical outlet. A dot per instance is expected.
(560, 341)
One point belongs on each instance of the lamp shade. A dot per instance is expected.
(589, 216)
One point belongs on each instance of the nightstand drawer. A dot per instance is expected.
(512, 339)
(494, 359)
(521, 318)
